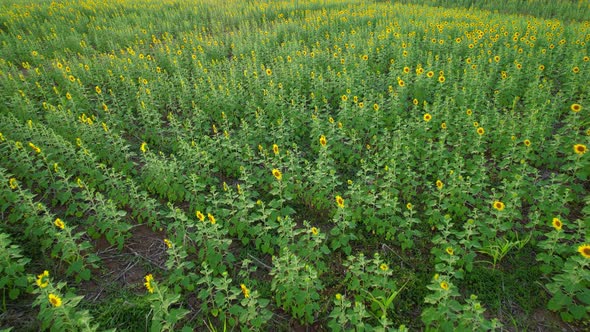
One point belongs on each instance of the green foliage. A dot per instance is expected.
(124, 311)
(12, 267)
(296, 286)
(165, 315)
(346, 164)
(561, 9)
(57, 311)
(571, 290)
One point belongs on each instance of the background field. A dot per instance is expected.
(294, 165)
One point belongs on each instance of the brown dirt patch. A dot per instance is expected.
(142, 253)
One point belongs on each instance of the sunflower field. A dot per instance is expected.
(291, 165)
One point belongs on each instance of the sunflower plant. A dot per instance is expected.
(370, 281)
(570, 288)
(57, 311)
(12, 266)
(296, 286)
(166, 312)
(448, 314)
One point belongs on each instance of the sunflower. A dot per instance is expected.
(527, 142)
(401, 83)
(277, 174)
(444, 285)
(450, 251)
(245, 291)
(275, 149)
(268, 71)
(34, 147)
(557, 224)
(13, 183)
(430, 74)
(584, 250)
(576, 70)
(315, 231)
(443, 125)
(580, 149)
(383, 267)
(441, 79)
(480, 131)
(409, 206)
(55, 300)
(469, 112)
(211, 218)
(340, 201)
(344, 97)
(376, 106)
(143, 147)
(439, 184)
(576, 108)
(499, 205)
(427, 117)
(149, 279)
(323, 141)
(42, 279)
(59, 223)
(200, 216)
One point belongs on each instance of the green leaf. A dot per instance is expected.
(14, 293)
(558, 301)
(584, 296)
(566, 316)
(546, 268)
(578, 311)
(85, 274)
